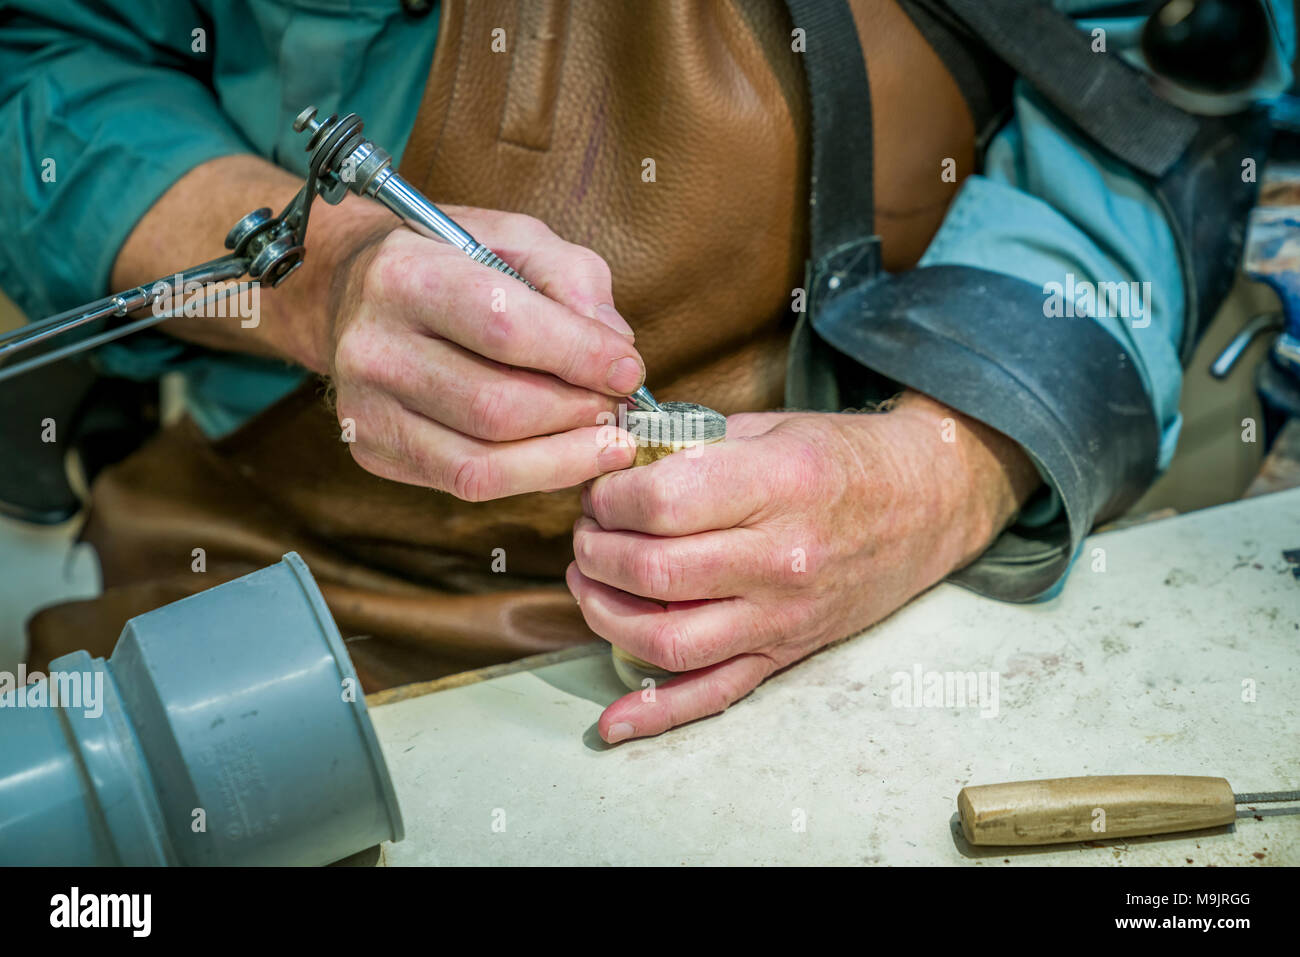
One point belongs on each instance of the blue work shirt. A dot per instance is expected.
(127, 96)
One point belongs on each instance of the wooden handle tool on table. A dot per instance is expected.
(1060, 810)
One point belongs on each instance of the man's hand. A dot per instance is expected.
(461, 378)
(455, 376)
(738, 559)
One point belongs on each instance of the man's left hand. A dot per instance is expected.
(728, 562)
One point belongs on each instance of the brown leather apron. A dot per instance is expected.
(705, 257)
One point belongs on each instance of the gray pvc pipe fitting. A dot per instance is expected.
(226, 728)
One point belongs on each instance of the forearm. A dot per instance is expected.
(985, 476)
(188, 225)
(100, 116)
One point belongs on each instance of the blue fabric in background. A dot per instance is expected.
(113, 92)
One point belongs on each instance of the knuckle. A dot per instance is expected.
(350, 408)
(583, 548)
(654, 572)
(346, 365)
(475, 478)
(598, 265)
(408, 269)
(498, 332)
(669, 648)
(716, 695)
(590, 269)
(593, 410)
(713, 695)
(384, 271)
(489, 412)
(533, 227)
(373, 463)
(804, 467)
(344, 407)
(359, 355)
(580, 360)
(601, 500)
(659, 504)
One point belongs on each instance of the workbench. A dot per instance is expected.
(1147, 666)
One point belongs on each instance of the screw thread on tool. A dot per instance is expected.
(490, 259)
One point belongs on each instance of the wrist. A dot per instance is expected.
(304, 308)
(978, 477)
(189, 222)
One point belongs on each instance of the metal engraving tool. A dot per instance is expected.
(342, 159)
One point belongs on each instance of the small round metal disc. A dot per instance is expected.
(679, 423)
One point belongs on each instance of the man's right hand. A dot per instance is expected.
(460, 378)
(454, 375)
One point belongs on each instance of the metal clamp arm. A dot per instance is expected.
(119, 304)
(267, 248)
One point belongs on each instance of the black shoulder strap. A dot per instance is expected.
(845, 249)
(984, 78)
(1194, 161)
(1100, 93)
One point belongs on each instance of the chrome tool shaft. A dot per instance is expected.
(343, 160)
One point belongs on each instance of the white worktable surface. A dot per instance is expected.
(1137, 669)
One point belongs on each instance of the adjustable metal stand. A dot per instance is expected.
(268, 249)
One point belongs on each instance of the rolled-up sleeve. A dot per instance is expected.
(1056, 304)
(1052, 212)
(1071, 285)
(103, 106)
(1050, 305)
(1053, 304)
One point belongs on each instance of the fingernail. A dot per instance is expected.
(625, 375)
(620, 732)
(613, 457)
(609, 316)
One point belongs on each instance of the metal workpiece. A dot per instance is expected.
(673, 427)
(342, 160)
(678, 424)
